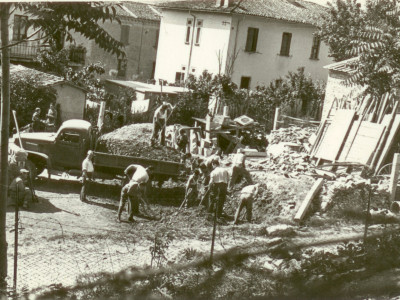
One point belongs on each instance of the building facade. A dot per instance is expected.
(138, 31)
(253, 41)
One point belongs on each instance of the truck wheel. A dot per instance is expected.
(32, 169)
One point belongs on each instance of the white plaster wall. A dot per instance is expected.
(266, 64)
(335, 88)
(72, 101)
(173, 53)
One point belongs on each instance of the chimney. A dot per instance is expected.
(226, 3)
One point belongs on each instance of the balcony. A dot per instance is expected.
(25, 51)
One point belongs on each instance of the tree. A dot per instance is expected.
(345, 20)
(373, 36)
(56, 20)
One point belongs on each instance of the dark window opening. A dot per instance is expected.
(125, 34)
(245, 82)
(157, 37)
(20, 29)
(179, 77)
(286, 40)
(153, 70)
(315, 47)
(252, 38)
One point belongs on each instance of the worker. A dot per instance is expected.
(247, 196)
(204, 182)
(87, 173)
(182, 141)
(160, 119)
(36, 121)
(132, 192)
(191, 192)
(51, 118)
(219, 178)
(18, 191)
(139, 174)
(239, 169)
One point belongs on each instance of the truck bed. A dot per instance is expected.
(116, 164)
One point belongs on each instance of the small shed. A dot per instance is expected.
(145, 91)
(71, 98)
(335, 86)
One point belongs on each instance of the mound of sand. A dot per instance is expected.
(134, 140)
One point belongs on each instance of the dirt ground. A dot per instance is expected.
(62, 240)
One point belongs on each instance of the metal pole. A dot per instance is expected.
(367, 213)
(214, 230)
(16, 240)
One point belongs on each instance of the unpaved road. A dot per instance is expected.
(62, 240)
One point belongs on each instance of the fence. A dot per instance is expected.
(283, 121)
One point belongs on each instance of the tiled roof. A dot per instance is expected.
(138, 10)
(345, 66)
(46, 79)
(298, 11)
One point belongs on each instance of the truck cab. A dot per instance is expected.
(64, 150)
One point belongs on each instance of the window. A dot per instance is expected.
(122, 67)
(69, 137)
(252, 37)
(20, 29)
(198, 31)
(315, 47)
(125, 34)
(157, 36)
(179, 77)
(285, 47)
(189, 24)
(245, 82)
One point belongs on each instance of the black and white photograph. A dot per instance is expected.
(200, 149)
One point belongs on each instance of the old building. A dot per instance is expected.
(138, 31)
(71, 98)
(336, 87)
(254, 41)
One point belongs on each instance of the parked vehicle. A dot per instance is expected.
(66, 149)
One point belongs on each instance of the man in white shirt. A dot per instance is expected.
(134, 190)
(247, 196)
(239, 169)
(219, 179)
(87, 173)
(160, 119)
(18, 192)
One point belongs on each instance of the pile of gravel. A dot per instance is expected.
(134, 140)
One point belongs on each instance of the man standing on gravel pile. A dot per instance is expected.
(87, 173)
(160, 119)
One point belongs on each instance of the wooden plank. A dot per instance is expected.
(383, 108)
(385, 136)
(390, 140)
(394, 176)
(307, 200)
(335, 135)
(365, 142)
(318, 137)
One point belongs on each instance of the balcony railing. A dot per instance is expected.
(25, 50)
(77, 55)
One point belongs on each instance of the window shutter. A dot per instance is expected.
(255, 39)
(125, 34)
(249, 41)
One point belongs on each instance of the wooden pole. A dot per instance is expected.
(276, 118)
(394, 176)
(4, 131)
(307, 200)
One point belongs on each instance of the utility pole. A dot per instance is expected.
(4, 132)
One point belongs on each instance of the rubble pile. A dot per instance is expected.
(292, 134)
(289, 163)
(349, 194)
(134, 140)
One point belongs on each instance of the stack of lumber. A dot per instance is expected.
(134, 140)
(358, 131)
